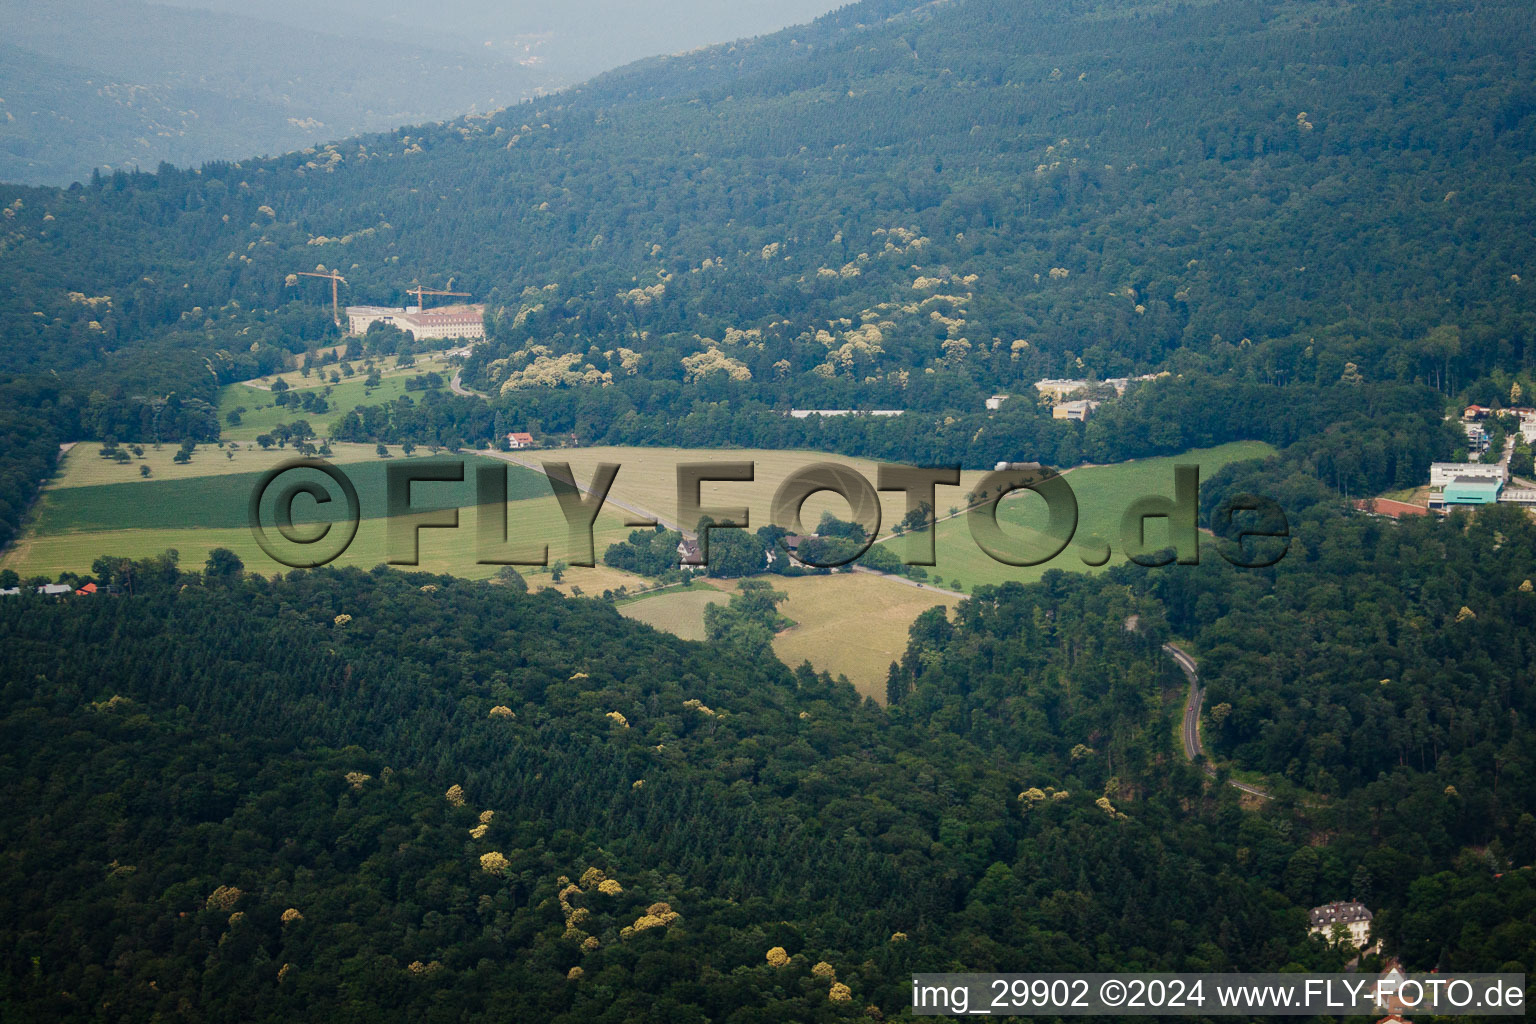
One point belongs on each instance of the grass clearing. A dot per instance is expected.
(648, 479)
(220, 498)
(679, 611)
(851, 624)
(262, 412)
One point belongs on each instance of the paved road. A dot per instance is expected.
(457, 384)
(1191, 729)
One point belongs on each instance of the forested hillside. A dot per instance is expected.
(891, 208)
(1208, 178)
(343, 794)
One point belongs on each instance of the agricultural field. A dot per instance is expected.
(648, 479)
(821, 608)
(679, 611)
(1103, 495)
(852, 624)
(97, 506)
(262, 413)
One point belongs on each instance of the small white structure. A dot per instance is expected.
(996, 402)
(1352, 916)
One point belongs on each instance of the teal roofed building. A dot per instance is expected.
(1471, 491)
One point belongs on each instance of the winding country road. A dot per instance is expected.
(1191, 728)
(457, 385)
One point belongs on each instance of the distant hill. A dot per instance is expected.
(88, 83)
(572, 40)
(1086, 189)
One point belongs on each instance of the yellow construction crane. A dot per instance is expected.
(335, 278)
(419, 291)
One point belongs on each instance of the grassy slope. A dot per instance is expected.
(99, 507)
(679, 611)
(262, 414)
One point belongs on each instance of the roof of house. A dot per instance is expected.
(518, 436)
(444, 319)
(1340, 912)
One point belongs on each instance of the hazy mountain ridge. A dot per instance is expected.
(153, 83)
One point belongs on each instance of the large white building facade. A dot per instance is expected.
(449, 322)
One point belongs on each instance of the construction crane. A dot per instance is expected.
(419, 291)
(335, 278)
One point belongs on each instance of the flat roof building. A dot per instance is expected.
(1471, 491)
(1442, 473)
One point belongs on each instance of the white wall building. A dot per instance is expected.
(1352, 916)
(422, 324)
(1442, 473)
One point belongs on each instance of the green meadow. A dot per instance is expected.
(98, 507)
(1103, 493)
(262, 412)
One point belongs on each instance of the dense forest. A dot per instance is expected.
(392, 795)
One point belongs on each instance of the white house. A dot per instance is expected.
(1352, 916)
(996, 402)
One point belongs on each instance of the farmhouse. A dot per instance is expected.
(1352, 916)
(516, 440)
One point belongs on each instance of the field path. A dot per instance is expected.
(643, 517)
